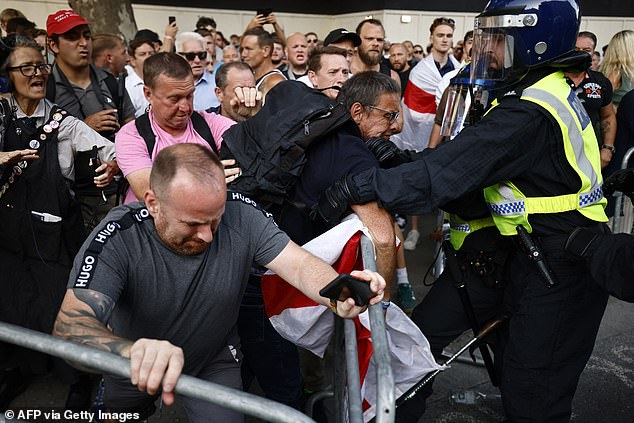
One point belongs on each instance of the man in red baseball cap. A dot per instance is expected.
(90, 94)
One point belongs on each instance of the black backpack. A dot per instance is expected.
(270, 148)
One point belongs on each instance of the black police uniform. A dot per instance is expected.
(552, 331)
(469, 291)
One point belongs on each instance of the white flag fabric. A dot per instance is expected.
(419, 105)
(310, 325)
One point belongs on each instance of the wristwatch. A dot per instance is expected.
(609, 147)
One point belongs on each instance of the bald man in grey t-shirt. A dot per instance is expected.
(161, 282)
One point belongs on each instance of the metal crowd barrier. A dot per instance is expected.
(439, 254)
(385, 406)
(346, 383)
(114, 364)
(623, 214)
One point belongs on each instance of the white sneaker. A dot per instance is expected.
(412, 240)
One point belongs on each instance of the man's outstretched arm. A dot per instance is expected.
(309, 274)
(82, 318)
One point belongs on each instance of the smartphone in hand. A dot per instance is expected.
(171, 19)
(359, 290)
(264, 12)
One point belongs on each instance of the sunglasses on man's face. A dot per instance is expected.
(202, 55)
(445, 21)
(418, 51)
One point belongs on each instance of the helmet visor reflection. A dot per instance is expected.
(492, 57)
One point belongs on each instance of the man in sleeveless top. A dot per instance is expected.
(255, 50)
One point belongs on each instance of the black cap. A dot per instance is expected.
(339, 34)
(148, 34)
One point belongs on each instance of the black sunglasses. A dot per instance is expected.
(418, 51)
(440, 21)
(202, 55)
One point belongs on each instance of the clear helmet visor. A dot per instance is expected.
(455, 110)
(492, 57)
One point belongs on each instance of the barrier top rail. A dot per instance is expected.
(187, 385)
(385, 406)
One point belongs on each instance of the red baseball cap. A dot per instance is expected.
(63, 21)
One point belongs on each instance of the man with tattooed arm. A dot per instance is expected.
(161, 282)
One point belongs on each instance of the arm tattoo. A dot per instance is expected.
(86, 325)
(101, 304)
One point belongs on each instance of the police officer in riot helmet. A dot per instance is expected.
(535, 155)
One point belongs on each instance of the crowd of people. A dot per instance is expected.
(121, 225)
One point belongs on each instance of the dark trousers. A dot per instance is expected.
(441, 318)
(268, 357)
(119, 395)
(551, 337)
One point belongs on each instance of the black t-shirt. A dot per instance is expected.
(449, 66)
(595, 92)
(336, 155)
(404, 80)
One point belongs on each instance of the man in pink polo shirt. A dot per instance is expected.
(169, 88)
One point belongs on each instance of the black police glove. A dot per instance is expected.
(387, 153)
(621, 180)
(335, 201)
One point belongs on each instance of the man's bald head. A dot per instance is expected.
(297, 49)
(186, 160)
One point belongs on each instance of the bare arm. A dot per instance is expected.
(168, 40)
(608, 131)
(309, 274)
(269, 83)
(272, 19)
(379, 223)
(139, 182)
(153, 363)
(82, 318)
(434, 137)
(12, 157)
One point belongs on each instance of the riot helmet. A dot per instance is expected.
(511, 37)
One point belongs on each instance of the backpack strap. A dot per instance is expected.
(144, 128)
(114, 86)
(202, 128)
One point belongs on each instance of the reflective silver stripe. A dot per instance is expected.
(574, 134)
(506, 21)
(508, 208)
(518, 207)
(461, 228)
(510, 205)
